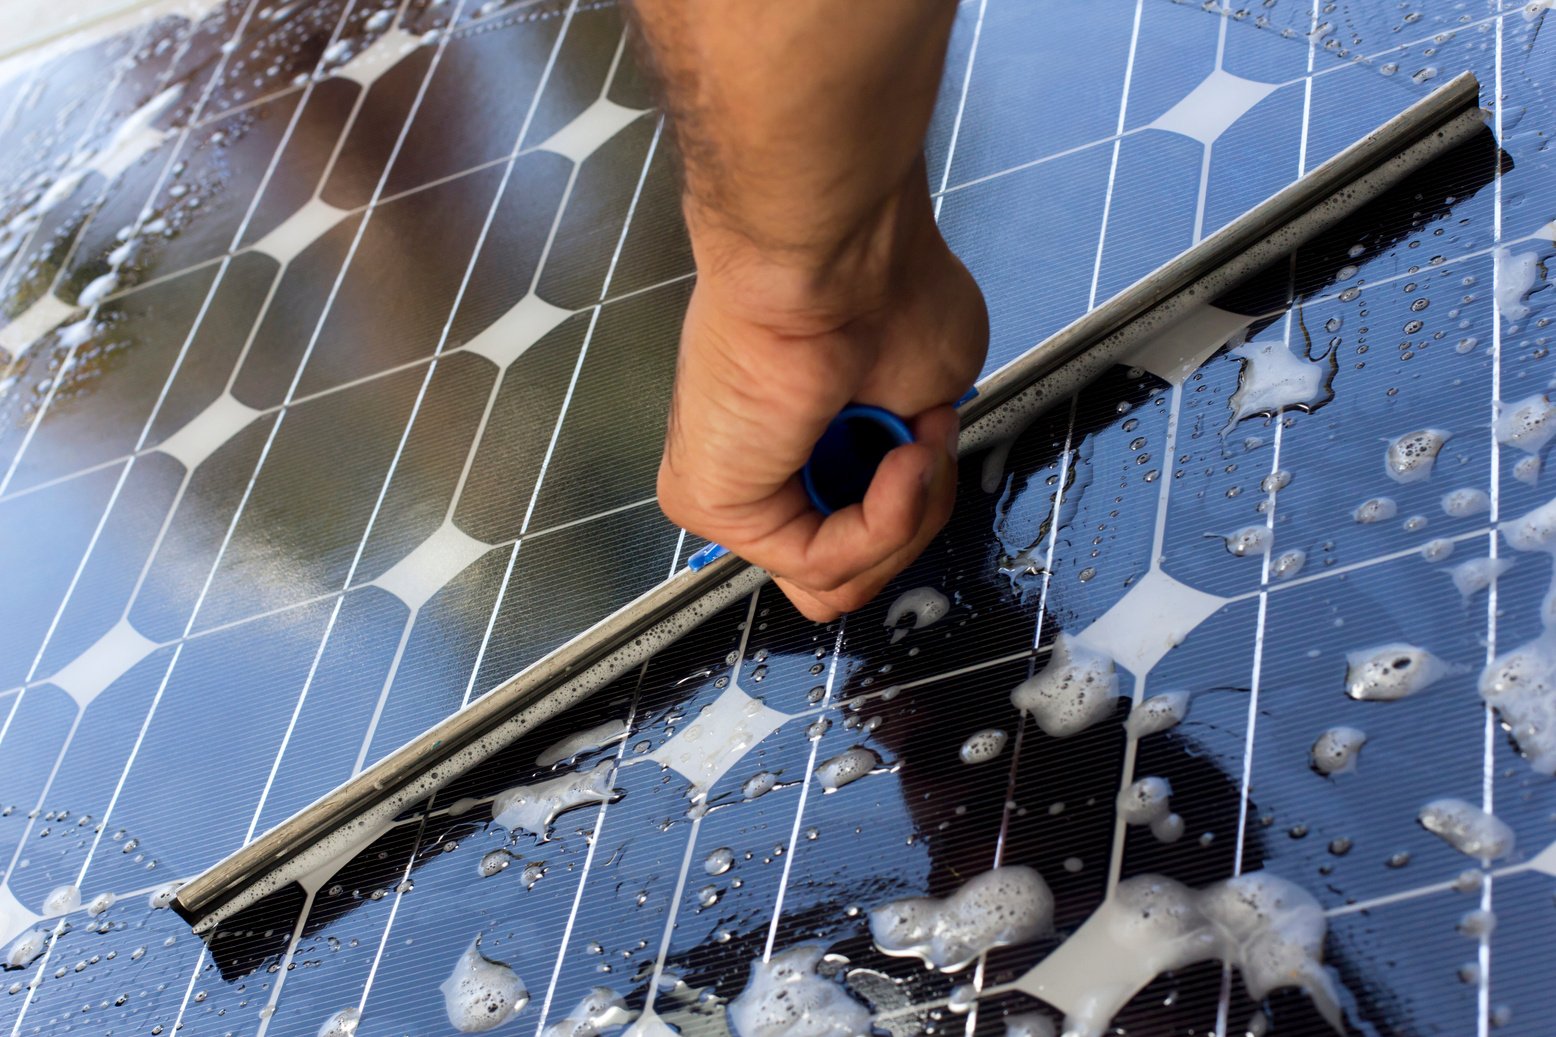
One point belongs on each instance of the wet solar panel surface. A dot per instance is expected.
(340, 336)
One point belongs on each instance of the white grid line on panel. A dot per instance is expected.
(1489, 736)
(141, 217)
(93, 126)
(799, 809)
(1224, 999)
(410, 424)
(686, 860)
(961, 107)
(173, 661)
(102, 522)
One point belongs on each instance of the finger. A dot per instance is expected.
(824, 553)
(861, 589)
(806, 603)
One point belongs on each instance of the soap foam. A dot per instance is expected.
(1076, 690)
(1029, 1024)
(100, 903)
(1270, 929)
(597, 737)
(1476, 574)
(1410, 457)
(1467, 828)
(162, 897)
(481, 994)
(1392, 671)
(759, 784)
(1534, 530)
(1288, 563)
(1335, 751)
(1005, 906)
(26, 948)
(1273, 379)
(1375, 509)
(342, 1024)
(983, 746)
(847, 766)
(62, 900)
(1144, 801)
(1521, 686)
(927, 606)
(784, 997)
(599, 1011)
(1527, 424)
(1250, 540)
(1157, 713)
(1466, 501)
(532, 808)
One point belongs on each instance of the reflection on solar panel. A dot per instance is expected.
(339, 339)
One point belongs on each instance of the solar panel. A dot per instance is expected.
(338, 360)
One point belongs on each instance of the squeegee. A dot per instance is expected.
(310, 845)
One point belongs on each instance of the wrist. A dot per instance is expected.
(803, 276)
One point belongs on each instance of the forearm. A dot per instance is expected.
(800, 126)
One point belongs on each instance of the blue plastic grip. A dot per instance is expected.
(845, 458)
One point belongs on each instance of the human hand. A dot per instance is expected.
(773, 346)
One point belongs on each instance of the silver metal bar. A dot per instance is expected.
(311, 844)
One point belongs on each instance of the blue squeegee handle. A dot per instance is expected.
(843, 461)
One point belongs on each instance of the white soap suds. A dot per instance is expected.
(1466, 501)
(1534, 530)
(24, 950)
(98, 289)
(599, 1011)
(1029, 1024)
(784, 997)
(1375, 509)
(481, 994)
(1288, 564)
(493, 862)
(1410, 457)
(847, 766)
(1527, 470)
(162, 897)
(1516, 277)
(1077, 689)
(61, 900)
(983, 746)
(1521, 686)
(1273, 379)
(1144, 801)
(1270, 929)
(1335, 751)
(925, 604)
(597, 737)
(1250, 540)
(759, 784)
(1527, 424)
(1005, 906)
(342, 1024)
(1392, 671)
(1157, 713)
(100, 903)
(1437, 550)
(1477, 923)
(532, 808)
(1467, 828)
(1474, 575)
